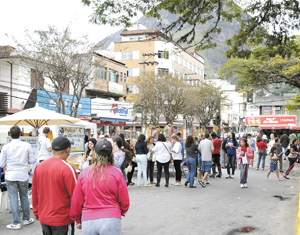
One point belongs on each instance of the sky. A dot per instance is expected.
(18, 15)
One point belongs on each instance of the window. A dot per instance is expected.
(128, 55)
(180, 61)
(163, 55)
(101, 72)
(129, 72)
(133, 72)
(113, 76)
(124, 77)
(164, 70)
(3, 101)
(121, 77)
(37, 79)
(185, 63)
(191, 67)
(176, 58)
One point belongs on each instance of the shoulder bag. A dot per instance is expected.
(171, 158)
(84, 165)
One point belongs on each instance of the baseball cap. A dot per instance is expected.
(60, 143)
(103, 147)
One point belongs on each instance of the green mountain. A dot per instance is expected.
(214, 58)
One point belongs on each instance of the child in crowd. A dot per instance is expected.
(274, 157)
(244, 151)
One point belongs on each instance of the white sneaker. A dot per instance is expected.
(13, 226)
(242, 186)
(177, 184)
(30, 221)
(228, 177)
(232, 176)
(245, 186)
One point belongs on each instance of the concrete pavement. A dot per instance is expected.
(269, 206)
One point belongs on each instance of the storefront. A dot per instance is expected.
(110, 116)
(273, 123)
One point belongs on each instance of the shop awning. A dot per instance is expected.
(279, 127)
(114, 120)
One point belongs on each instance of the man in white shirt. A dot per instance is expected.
(206, 148)
(44, 145)
(16, 156)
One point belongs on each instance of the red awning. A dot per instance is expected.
(278, 127)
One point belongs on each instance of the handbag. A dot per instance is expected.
(84, 165)
(171, 158)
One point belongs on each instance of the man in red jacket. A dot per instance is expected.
(53, 184)
(217, 143)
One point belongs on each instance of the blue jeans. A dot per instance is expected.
(181, 164)
(244, 173)
(13, 188)
(191, 164)
(231, 163)
(261, 156)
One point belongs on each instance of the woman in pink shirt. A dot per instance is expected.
(100, 197)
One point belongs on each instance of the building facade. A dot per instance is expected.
(110, 79)
(162, 54)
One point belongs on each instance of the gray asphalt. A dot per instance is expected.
(269, 206)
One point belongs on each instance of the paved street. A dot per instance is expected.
(269, 206)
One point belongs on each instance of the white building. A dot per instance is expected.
(234, 110)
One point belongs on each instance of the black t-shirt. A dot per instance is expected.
(295, 147)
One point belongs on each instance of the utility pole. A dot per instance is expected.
(144, 63)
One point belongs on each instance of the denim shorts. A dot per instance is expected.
(206, 166)
(273, 167)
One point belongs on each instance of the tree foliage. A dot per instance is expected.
(161, 94)
(294, 105)
(261, 21)
(265, 67)
(204, 103)
(61, 61)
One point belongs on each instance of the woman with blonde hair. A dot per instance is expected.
(150, 162)
(101, 196)
(177, 158)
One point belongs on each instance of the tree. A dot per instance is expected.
(294, 105)
(59, 60)
(204, 103)
(265, 67)
(150, 102)
(161, 94)
(261, 21)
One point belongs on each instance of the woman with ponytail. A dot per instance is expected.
(101, 196)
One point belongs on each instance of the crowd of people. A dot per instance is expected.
(98, 197)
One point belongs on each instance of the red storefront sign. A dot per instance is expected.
(270, 120)
(107, 123)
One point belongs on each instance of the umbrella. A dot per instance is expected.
(37, 117)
